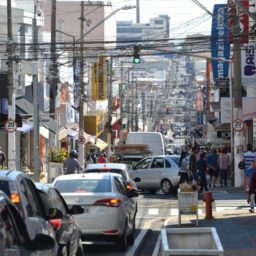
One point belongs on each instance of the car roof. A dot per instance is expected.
(107, 165)
(95, 175)
(12, 175)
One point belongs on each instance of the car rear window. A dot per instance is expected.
(83, 186)
(110, 170)
(4, 186)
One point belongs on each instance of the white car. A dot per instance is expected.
(156, 172)
(109, 211)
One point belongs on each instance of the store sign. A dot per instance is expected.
(220, 47)
(248, 61)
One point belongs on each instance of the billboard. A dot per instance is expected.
(220, 47)
(248, 61)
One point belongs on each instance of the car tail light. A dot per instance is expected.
(15, 197)
(56, 224)
(111, 202)
(111, 231)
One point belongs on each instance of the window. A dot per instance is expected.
(144, 164)
(159, 22)
(158, 163)
(167, 164)
(120, 187)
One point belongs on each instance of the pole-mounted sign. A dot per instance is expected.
(11, 125)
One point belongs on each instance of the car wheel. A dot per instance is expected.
(130, 237)
(122, 241)
(166, 186)
(80, 251)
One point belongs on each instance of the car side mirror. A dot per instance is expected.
(137, 179)
(76, 209)
(55, 213)
(41, 242)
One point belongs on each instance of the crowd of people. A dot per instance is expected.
(204, 167)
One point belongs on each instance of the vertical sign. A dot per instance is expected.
(248, 61)
(220, 47)
(254, 128)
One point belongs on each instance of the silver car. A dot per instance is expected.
(156, 172)
(109, 211)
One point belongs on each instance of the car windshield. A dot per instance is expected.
(83, 186)
(110, 170)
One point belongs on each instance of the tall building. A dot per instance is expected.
(158, 27)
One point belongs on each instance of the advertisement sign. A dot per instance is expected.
(225, 114)
(248, 64)
(220, 47)
(254, 128)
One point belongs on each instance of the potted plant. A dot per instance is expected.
(56, 158)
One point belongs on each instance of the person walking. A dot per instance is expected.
(223, 163)
(71, 165)
(212, 163)
(251, 172)
(193, 164)
(183, 164)
(101, 159)
(202, 169)
(2, 159)
(248, 157)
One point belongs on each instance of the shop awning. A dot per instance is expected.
(25, 128)
(65, 132)
(100, 144)
(44, 132)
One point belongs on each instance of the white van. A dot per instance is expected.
(154, 140)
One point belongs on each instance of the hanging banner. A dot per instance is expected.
(248, 61)
(220, 47)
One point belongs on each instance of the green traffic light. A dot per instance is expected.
(136, 60)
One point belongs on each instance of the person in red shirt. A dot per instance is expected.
(101, 159)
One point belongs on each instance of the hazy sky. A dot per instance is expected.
(180, 11)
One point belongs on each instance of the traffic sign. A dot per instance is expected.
(238, 124)
(81, 140)
(11, 125)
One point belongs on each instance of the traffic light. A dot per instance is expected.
(136, 54)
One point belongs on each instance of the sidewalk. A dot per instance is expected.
(235, 226)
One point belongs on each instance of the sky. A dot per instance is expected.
(186, 17)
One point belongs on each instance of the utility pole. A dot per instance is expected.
(81, 89)
(136, 107)
(109, 73)
(53, 71)
(35, 102)
(237, 92)
(11, 91)
(121, 95)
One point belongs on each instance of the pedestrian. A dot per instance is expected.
(224, 164)
(101, 159)
(94, 157)
(193, 164)
(202, 170)
(248, 157)
(183, 171)
(71, 164)
(251, 174)
(212, 163)
(2, 159)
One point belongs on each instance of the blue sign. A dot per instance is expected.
(220, 47)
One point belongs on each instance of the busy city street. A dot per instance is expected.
(127, 128)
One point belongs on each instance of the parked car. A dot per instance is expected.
(156, 172)
(68, 234)
(119, 168)
(109, 211)
(21, 190)
(14, 238)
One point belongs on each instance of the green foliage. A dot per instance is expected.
(57, 155)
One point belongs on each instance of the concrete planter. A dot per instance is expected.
(55, 169)
(190, 241)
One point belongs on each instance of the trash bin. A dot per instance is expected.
(191, 241)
